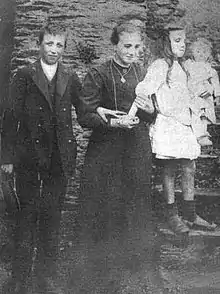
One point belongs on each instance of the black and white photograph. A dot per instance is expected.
(110, 147)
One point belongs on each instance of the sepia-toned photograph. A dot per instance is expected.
(110, 147)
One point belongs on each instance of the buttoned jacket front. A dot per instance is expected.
(33, 130)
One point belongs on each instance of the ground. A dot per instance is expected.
(125, 265)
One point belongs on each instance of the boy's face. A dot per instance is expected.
(177, 41)
(201, 53)
(52, 48)
(128, 48)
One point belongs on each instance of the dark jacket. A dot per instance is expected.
(99, 89)
(28, 130)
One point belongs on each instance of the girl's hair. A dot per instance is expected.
(166, 53)
(128, 26)
(201, 43)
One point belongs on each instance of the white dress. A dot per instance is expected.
(171, 134)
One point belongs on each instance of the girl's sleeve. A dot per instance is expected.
(156, 75)
(215, 82)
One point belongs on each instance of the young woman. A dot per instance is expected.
(115, 182)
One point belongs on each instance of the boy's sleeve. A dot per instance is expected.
(8, 138)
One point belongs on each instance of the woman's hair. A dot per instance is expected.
(165, 52)
(129, 26)
(52, 29)
(204, 44)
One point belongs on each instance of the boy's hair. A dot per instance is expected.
(202, 43)
(128, 26)
(52, 29)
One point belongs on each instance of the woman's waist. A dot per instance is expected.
(108, 133)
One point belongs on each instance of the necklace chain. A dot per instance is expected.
(123, 80)
(114, 83)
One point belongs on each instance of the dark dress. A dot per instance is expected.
(116, 177)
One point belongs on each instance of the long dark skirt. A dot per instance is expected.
(115, 182)
(117, 229)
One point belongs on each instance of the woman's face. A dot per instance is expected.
(128, 48)
(177, 41)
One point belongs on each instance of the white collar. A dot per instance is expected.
(49, 70)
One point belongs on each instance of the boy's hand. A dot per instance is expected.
(7, 168)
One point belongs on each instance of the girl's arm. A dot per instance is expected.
(156, 75)
(215, 83)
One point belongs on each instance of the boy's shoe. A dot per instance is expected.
(176, 224)
(205, 141)
(200, 223)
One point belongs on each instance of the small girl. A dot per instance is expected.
(204, 86)
(172, 138)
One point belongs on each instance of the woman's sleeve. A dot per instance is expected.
(156, 75)
(90, 100)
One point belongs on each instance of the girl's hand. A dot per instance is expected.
(104, 113)
(145, 103)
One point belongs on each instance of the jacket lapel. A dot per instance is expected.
(40, 80)
(62, 81)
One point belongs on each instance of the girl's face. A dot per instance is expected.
(201, 53)
(128, 48)
(177, 41)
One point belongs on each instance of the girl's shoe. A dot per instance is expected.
(200, 223)
(176, 224)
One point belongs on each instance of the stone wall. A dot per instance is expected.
(91, 21)
(201, 17)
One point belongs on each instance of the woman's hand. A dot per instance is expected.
(125, 122)
(145, 103)
(105, 112)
